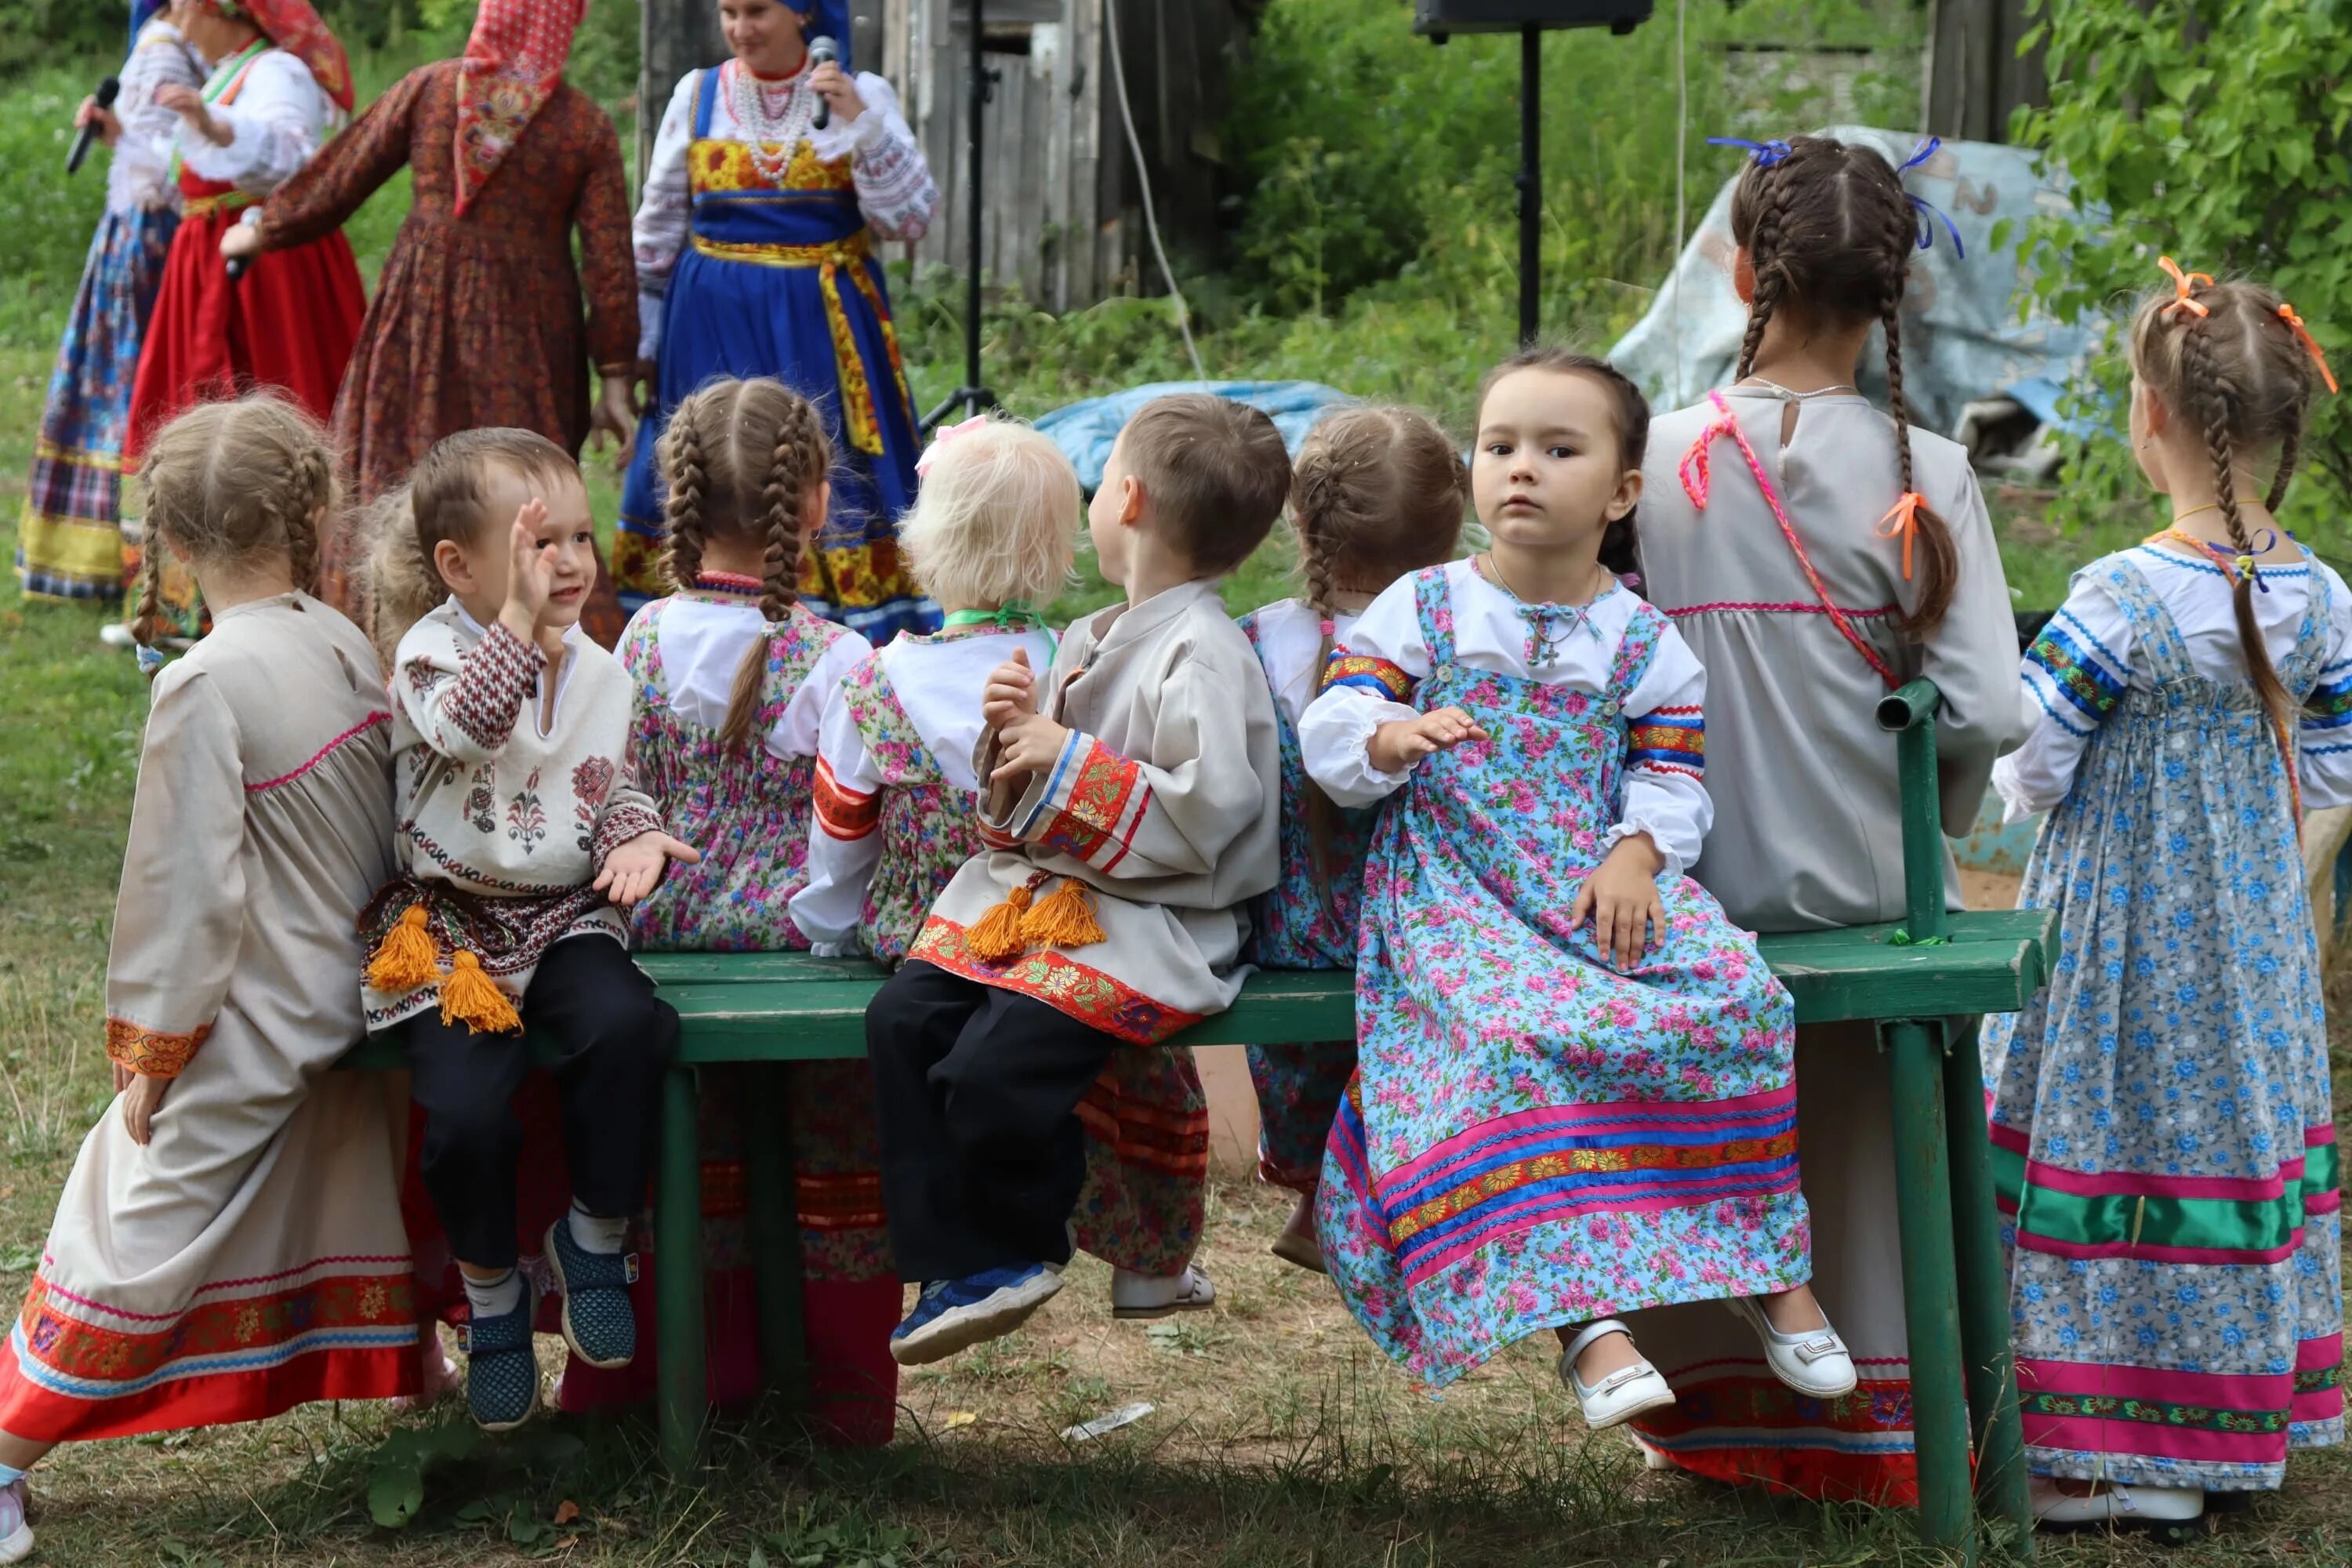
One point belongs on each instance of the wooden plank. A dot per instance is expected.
(1081, 270)
(674, 36)
(1049, 57)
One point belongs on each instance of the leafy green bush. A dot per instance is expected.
(2214, 131)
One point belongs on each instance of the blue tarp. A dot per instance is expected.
(1085, 431)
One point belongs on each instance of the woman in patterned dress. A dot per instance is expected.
(769, 184)
(2163, 1136)
(478, 319)
(1575, 1094)
(896, 789)
(70, 541)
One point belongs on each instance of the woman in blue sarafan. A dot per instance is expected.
(755, 239)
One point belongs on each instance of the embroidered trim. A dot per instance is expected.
(2085, 682)
(844, 812)
(1106, 803)
(1668, 736)
(1098, 1000)
(123, 1360)
(1733, 606)
(370, 723)
(149, 1052)
(1365, 673)
(621, 823)
(494, 677)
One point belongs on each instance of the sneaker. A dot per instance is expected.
(956, 1314)
(15, 1535)
(502, 1369)
(599, 1323)
(117, 633)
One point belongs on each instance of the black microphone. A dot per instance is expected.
(103, 98)
(237, 266)
(822, 52)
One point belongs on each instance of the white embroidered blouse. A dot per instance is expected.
(1665, 798)
(896, 191)
(277, 117)
(2091, 641)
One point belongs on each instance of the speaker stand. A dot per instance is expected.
(972, 397)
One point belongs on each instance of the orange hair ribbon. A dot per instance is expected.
(2181, 281)
(2311, 344)
(1902, 520)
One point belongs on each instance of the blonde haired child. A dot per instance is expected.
(520, 830)
(229, 1244)
(1375, 493)
(732, 675)
(991, 537)
(2161, 1116)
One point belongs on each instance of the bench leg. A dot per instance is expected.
(677, 1258)
(773, 1188)
(1923, 1196)
(1984, 1301)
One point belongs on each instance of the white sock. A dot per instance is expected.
(592, 1234)
(9, 1476)
(494, 1297)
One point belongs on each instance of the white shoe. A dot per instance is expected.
(1815, 1362)
(15, 1535)
(1623, 1395)
(114, 633)
(1136, 1297)
(1654, 1459)
(2114, 1504)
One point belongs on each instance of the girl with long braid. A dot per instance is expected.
(2161, 1123)
(1816, 554)
(1376, 494)
(229, 1244)
(732, 674)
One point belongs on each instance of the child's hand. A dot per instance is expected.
(1011, 692)
(1622, 897)
(1028, 746)
(634, 869)
(140, 1104)
(530, 573)
(1396, 746)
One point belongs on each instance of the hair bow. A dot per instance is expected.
(1901, 521)
(1923, 207)
(1012, 615)
(1767, 153)
(946, 435)
(2184, 283)
(2310, 344)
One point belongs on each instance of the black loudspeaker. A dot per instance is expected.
(1437, 18)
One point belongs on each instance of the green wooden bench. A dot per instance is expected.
(1920, 980)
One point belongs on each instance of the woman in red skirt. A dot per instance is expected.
(279, 86)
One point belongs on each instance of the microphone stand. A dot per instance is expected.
(972, 397)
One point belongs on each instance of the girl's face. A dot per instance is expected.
(1548, 473)
(764, 34)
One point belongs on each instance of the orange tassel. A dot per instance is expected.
(1064, 919)
(470, 996)
(995, 937)
(405, 959)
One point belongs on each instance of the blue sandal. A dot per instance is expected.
(599, 1323)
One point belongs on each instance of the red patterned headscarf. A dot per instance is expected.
(512, 65)
(293, 25)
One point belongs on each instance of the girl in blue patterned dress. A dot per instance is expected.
(1375, 493)
(1575, 1096)
(732, 675)
(2161, 1125)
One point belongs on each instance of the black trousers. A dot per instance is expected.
(977, 1090)
(617, 1037)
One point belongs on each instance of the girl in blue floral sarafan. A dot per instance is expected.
(1575, 1095)
(2163, 1142)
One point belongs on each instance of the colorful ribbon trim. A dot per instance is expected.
(1923, 207)
(858, 418)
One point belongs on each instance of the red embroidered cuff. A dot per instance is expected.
(494, 677)
(621, 821)
(150, 1053)
(1097, 801)
(844, 813)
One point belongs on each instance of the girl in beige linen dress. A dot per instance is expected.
(1767, 534)
(229, 1244)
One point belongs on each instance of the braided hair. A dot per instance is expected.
(2242, 378)
(1375, 494)
(1829, 231)
(233, 483)
(745, 459)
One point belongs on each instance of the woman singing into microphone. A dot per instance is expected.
(771, 180)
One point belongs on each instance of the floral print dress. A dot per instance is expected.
(1146, 1119)
(1534, 1138)
(1308, 922)
(2163, 1143)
